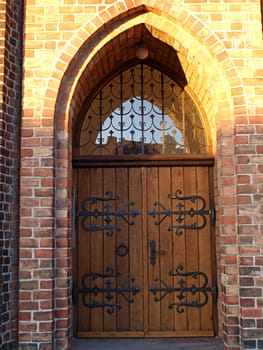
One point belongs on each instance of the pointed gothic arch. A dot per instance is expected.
(78, 72)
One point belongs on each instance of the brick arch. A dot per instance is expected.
(197, 52)
(211, 75)
(169, 23)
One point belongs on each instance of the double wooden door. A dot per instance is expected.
(144, 257)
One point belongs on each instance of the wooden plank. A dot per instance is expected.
(176, 334)
(213, 246)
(83, 247)
(153, 160)
(179, 247)
(204, 236)
(192, 248)
(179, 334)
(122, 240)
(108, 247)
(96, 247)
(145, 249)
(111, 334)
(164, 249)
(154, 308)
(136, 253)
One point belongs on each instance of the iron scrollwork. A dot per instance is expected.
(162, 213)
(201, 289)
(109, 291)
(106, 213)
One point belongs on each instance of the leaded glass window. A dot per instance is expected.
(142, 111)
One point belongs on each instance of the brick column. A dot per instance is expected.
(250, 181)
(36, 307)
(11, 28)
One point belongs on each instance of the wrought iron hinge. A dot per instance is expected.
(214, 291)
(75, 292)
(212, 213)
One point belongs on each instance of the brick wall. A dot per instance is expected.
(10, 114)
(69, 46)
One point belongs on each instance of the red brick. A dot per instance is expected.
(222, 67)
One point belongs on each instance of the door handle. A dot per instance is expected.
(154, 252)
(153, 255)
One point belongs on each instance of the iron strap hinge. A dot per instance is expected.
(212, 213)
(214, 291)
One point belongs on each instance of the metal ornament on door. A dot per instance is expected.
(199, 288)
(108, 290)
(161, 213)
(114, 287)
(107, 213)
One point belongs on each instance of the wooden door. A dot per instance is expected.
(144, 252)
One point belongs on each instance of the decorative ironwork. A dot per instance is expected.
(106, 213)
(162, 213)
(122, 249)
(142, 111)
(109, 291)
(153, 256)
(200, 289)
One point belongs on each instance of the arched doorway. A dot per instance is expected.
(144, 245)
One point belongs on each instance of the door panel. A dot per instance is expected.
(144, 261)
(108, 275)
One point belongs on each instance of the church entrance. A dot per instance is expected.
(144, 245)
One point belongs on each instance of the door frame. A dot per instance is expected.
(155, 160)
